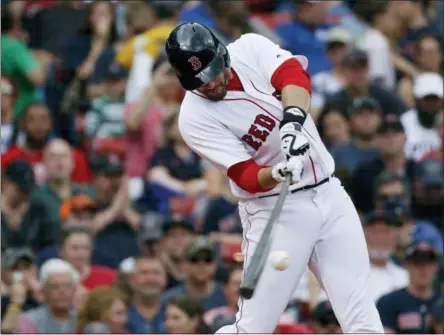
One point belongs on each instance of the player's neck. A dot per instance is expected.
(420, 291)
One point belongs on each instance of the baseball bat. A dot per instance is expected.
(260, 255)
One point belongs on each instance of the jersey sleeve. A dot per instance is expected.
(269, 56)
(212, 141)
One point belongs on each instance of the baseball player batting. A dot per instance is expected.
(246, 111)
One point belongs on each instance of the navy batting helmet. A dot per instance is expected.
(195, 54)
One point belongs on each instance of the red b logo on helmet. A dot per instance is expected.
(195, 63)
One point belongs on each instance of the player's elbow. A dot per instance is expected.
(245, 175)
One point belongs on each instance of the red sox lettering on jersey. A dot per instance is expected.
(255, 136)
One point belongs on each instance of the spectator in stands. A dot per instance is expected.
(176, 169)
(25, 221)
(20, 286)
(145, 117)
(300, 36)
(407, 310)
(146, 313)
(355, 65)
(104, 312)
(329, 82)
(228, 20)
(437, 322)
(415, 24)
(382, 23)
(428, 57)
(439, 128)
(59, 163)
(391, 144)
(392, 195)
(365, 120)
(150, 234)
(36, 125)
(379, 230)
(419, 122)
(199, 280)
(76, 248)
(78, 210)
(324, 319)
(116, 222)
(138, 54)
(334, 128)
(59, 280)
(184, 316)
(43, 25)
(20, 65)
(428, 191)
(8, 124)
(97, 32)
(231, 289)
(104, 122)
(177, 234)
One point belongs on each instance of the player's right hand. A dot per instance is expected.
(294, 166)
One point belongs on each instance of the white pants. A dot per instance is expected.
(319, 227)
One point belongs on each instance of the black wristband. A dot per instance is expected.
(293, 114)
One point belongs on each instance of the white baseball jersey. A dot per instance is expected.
(245, 124)
(420, 140)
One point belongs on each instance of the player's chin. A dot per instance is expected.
(217, 95)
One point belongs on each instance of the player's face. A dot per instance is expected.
(216, 89)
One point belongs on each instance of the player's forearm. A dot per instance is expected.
(296, 96)
(265, 178)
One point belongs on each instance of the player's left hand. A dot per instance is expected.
(293, 142)
(294, 166)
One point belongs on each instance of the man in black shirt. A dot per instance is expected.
(25, 221)
(356, 69)
(392, 159)
(407, 311)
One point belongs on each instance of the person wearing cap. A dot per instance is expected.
(355, 65)
(19, 292)
(59, 280)
(437, 322)
(364, 119)
(428, 191)
(59, 163)
(200, 269)
(391, 142)
(328, 82)
(380, 233)
(25, 221)
(419, 122)
(324, 319)
(382, 23)
(407, 310)
(104, 122)
(177, 234)
(8, 127)
(116, 221)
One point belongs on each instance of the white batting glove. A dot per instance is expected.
(294, 166)
(293, 142)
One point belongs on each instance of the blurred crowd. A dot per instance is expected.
(111, 224)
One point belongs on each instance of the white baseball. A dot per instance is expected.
(279, 259)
